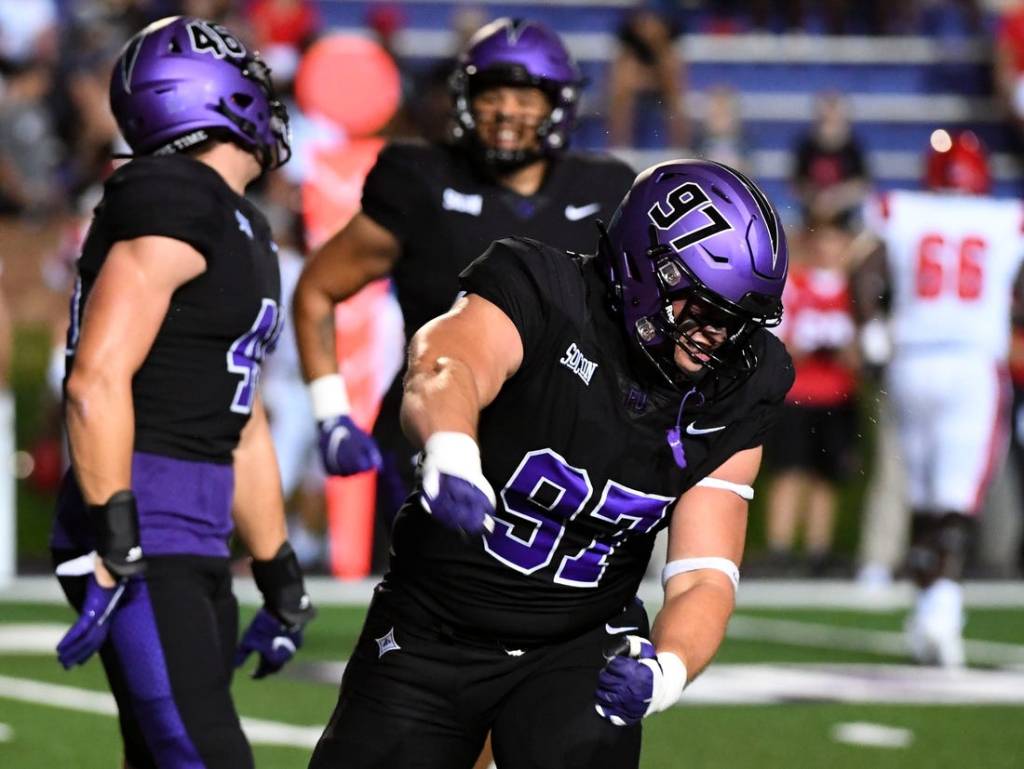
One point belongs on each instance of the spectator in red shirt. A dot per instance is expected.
(813, 448)
(290, 23)
(1009, 60)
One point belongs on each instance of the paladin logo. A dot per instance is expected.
(575, 362)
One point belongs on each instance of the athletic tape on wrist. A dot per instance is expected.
(329, 397)
(668, 687)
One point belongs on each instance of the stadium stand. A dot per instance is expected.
(899, 87)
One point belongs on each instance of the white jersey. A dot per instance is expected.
(952, 261)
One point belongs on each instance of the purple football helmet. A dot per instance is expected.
(703, 232)
(183, 80)
(525, 53)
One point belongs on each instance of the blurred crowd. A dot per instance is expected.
(57, 139)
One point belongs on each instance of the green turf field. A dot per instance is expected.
(58, 730)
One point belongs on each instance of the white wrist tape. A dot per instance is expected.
(455, 454)
(669, 681)
(739, 489)
(329, 396)
(684, 565)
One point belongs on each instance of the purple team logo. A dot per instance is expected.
(246, 353)
(543, 495)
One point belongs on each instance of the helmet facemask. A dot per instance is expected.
(711, 331)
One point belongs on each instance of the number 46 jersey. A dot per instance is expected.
(575, 448)
(952, 261)
(195, 390)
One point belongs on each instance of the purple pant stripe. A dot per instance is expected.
(137, 641)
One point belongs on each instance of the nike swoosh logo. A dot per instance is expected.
(281, 642)
(692, 429)
(575, 213)
(612, 630)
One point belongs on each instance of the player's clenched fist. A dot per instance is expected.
(637, 682)
(344, 448)
(455, 491)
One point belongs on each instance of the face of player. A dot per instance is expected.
(507, 117)
(701, 324)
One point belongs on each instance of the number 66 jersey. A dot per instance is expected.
(196, 388)
(952, 260)
(575, 448)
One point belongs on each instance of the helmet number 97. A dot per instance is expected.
(678, 203)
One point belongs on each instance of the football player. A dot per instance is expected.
(570, 407)
(947, 258)
(428, 210)
(175, 305)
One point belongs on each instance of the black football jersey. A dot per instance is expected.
(196, 388)
(575, 446)
(444, 213)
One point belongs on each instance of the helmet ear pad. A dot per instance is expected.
(181, 81)
(703, 233)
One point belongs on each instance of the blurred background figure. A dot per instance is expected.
(647, 72)
(1008, 68)
(949, 258)
(830, 176)
(720, 136)
(814, 447)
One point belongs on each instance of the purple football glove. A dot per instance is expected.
(275, 642)
(345, 449)
(91, 629)
(455, 491)
(637, 682)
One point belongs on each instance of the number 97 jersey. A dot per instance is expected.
(952, 260)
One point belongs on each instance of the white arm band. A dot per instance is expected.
(683, 565)
(329, 396)
(739, 489)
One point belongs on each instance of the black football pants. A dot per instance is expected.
(417, 697)
(169, 660)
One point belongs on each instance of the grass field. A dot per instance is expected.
(970, 726)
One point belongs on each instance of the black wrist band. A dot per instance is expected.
(117, 534)
(280, 582)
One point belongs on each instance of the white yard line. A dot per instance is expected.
(821, 636)
(31, 638)
(780, 594)
(259, 731)
(872, 735)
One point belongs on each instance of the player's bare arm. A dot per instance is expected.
(708, 522)
(457, 364)
(121, 319)
(356, 255)
(258, 507)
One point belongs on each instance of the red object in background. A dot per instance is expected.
(47, 465)
(351, 81)
(963, 167)
(283, 22)
(1010, 34)
(817, 324)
